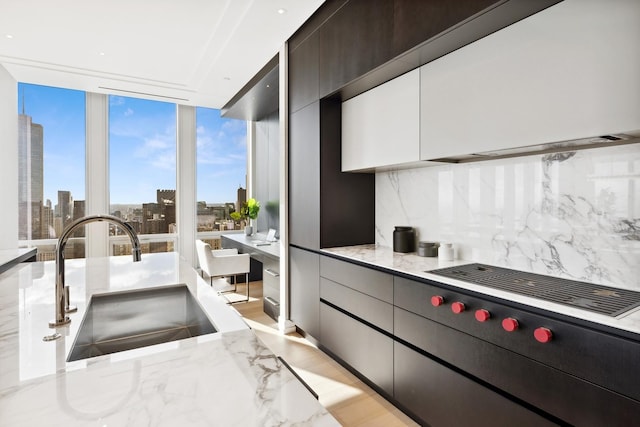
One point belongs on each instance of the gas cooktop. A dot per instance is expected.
(588, 296)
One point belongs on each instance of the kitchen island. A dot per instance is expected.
(224, 378)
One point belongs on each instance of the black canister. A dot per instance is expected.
(404, 239)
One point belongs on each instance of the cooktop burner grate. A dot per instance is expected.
(587, 296)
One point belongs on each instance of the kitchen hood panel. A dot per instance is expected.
(610, 140)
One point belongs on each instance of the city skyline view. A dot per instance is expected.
(142, 144)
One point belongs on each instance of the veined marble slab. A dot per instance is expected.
(574, 215)
(226, 378)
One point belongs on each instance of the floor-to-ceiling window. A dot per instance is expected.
(221, 171)
(141, 174)
(51, 158)
(142, 171)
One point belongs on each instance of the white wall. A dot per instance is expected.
(8, 161)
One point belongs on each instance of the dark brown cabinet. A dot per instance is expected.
(548, 378)
(304, 74)
(346, 48)
(327, 207)
(356, 318)
(365, 349)
(415, 21)
(442, 397)
(354, 41)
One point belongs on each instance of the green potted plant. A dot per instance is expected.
(248, 211)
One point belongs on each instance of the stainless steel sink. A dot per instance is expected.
(122, 321)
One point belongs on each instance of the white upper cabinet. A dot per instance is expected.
(381, 127)
(571, 71)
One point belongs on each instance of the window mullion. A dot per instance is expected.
(97, 172)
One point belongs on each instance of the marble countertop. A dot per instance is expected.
(414, 265)
(11, 257)
(225, 378)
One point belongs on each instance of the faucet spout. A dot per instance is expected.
(61, 319)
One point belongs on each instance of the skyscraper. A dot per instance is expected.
(30, 178)
(65, 207)
(242, 197)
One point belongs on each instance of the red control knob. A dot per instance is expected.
(457, 307)
(543, 335)
(437, 300)
(482, 315)
(509, 324)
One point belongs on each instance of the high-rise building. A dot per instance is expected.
(30, 178)
(79, 244)
(65, 207)
(78, 212)
(242, 197)
(167, 202)
(47, 229)
(152, 222)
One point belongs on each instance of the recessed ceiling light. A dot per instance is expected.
(282, 11)
(101, 54)
(9, 36)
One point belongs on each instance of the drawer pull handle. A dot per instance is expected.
(271, 272)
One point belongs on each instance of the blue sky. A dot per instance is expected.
(142, 146)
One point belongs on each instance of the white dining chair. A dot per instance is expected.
(223, 263)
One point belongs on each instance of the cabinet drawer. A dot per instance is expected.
(374, 311)
(366, 350)
(271, 284)
(592, 355)
(304, 290)
(368, 281)
(271, 279)
(442, 397)
(564, 396)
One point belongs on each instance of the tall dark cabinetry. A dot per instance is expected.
(326, 206)
(348, 47)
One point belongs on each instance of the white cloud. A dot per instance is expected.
(165, 161)
(115, 101)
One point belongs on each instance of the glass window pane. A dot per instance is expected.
(221, 169)
(142, 170)
(51, 158)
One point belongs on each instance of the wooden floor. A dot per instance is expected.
(347, 398)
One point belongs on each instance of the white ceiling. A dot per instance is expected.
(193, 52)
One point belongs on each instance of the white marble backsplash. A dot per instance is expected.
(574, 215)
